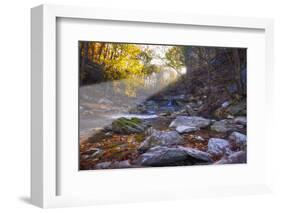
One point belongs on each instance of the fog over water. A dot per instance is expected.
(100, 104)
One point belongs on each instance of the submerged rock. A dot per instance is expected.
(218, 146)
(190, 121)
(186, 129)
(160, 138)
(165, 156)
(226, 126)
(128, 126)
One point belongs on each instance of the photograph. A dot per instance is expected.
(161, 105)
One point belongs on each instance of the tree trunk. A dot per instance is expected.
(80, 54)
(93, 52)
(85, 56)
(106, 52)
(84, 60)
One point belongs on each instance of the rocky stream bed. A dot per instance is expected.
(169, 132)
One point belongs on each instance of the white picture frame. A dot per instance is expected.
(44, 149)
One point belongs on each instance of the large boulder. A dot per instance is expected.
(234, 158)
(173, 156)
(226, 125)
(160, 138)
(218, 146)
(128, 126)
(190, 121)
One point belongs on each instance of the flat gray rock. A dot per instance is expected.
(190, 121)
(167, 156)
(186, 129)
(160, 138)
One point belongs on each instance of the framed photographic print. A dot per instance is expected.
(147, 106)
(161, 105)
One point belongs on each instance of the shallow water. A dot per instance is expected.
(140, 116)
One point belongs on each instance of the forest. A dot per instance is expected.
(148, 105)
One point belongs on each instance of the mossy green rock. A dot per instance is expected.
(128, 126)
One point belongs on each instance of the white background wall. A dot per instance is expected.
(15, 103)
